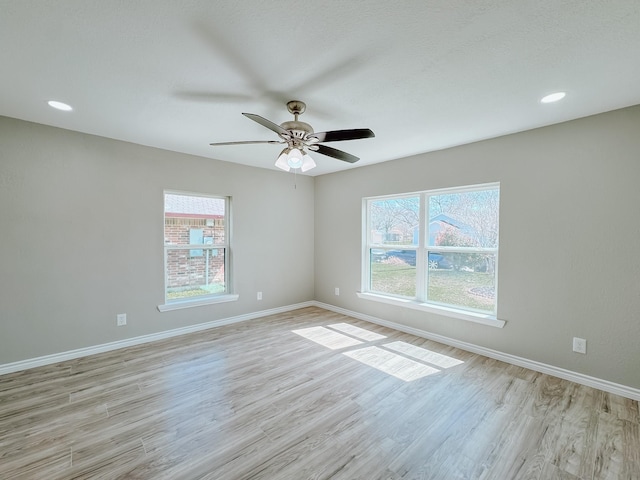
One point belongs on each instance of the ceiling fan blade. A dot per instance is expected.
(335, 153)
(267, 123)
(340, 135)
(218, 144)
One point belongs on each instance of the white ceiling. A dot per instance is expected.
(423, 75)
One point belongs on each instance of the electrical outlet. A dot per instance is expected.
(579, 345)
(259, 295)
(121, 319)
(337, 291)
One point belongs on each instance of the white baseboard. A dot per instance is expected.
(622, 390)
(106, 347)
(615, 388)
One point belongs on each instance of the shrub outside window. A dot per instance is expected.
(436, 247)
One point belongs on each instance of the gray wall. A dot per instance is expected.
(81, 238)
(569, 262)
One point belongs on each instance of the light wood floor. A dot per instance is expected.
(295, 396)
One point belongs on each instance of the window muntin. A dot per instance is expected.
(196, 236)
(447, 250)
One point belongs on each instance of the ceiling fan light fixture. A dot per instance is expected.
(307, 163)
(294, 158)
(281, 163)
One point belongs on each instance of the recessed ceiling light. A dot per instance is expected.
(553, 97)
(60, 105)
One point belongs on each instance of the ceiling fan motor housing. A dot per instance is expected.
(298, 129)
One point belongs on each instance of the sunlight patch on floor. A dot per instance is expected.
(391, 363)
(402, 360)
(327, 338)
(434, 358)
(361, 333)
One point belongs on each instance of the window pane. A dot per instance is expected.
(394, 272)
(196, 237)
(190, 219)
(466, 219)
(467, 280)
(189, 276)
(394, 221)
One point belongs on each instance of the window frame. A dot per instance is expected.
(208, 299)
(420, 301)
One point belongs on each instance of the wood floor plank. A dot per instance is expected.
(613, 457)
(308, 394)
(42, 463)
(13, 382)
(575, 433)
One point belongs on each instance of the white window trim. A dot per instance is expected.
(445, 311)
(418, 304)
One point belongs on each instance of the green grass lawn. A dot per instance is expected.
(397, 278)
(451, 287)
(195, 291)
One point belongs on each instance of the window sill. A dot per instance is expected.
(440, 310)
(196, 303)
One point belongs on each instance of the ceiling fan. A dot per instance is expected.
(300, 138)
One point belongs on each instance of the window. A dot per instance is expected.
(435, 249)
(196, 250)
